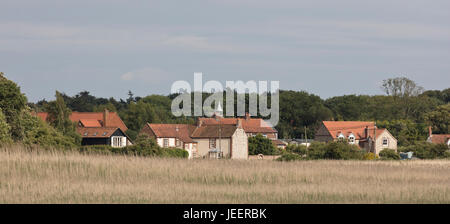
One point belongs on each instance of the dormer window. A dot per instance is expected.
(351, 139)
(341, 136)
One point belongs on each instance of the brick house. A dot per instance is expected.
(360, 133)
(202, 139)
(252, 126)
(438, 138)
(98, 128)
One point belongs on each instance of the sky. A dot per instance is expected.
(328, 48)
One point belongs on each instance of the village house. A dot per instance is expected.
(252, 126)
(98, 128)
(202, 140)
(359, 133)
(438, 138)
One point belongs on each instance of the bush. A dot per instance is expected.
(316, 150)
(389, 154)
(370, 156)
(289, 157)
(426, 150)
(261, 145)
(297, 149)
(342, 150)
(174, 153)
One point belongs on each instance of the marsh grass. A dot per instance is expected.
(53, 176)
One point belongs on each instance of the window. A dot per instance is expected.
(385, 142)
(212, 143)
(265, 135)
(351, 139)
(117, 141)
(165, 143)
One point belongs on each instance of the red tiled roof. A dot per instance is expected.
(95, 132)
(251, 125)
(357, 128)
(214, 131)
(439, 138)
(180, 131)
(90, 123)
(278, 142)
(113, 118)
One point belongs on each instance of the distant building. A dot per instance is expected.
(252, 126)
(438, 138)
(98, 128)
(363, 134)
(279, 143)
(202, 140)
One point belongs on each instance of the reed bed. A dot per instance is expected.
(71, 177)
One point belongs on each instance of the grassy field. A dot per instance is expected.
(54, 177)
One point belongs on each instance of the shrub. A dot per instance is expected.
(370, 156)
(261, 145)
(174, 153)
(316, 150)
(389, 154)
(289, 157)
(342, 150)
(426, 150)
(297, 149)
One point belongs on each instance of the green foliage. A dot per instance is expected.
(370, 156)
(58, 117)
(297, 149)
(440, 119)
(389, 154)
(174, 153)
(319, 150)
(38, 132)
(26, 128)
(426, 150)
(12, 103)
(406, 131)
(5, 130)
(342, 150)
(300, 109)
(289, 157)
(261, 145)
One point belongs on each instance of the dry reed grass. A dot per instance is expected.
(71, 177)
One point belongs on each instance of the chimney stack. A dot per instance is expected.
(366, 132)
(247, 116)
(105, 118)
(430, 132)
(239, 123)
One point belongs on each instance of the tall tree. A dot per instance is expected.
(401, 87)
(5, 135)
(440, 119)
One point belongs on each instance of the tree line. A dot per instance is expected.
(406, 109)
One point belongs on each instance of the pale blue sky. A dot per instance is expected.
(327, 48)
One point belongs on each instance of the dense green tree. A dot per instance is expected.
(261, 145)
(439, 119)
(406, 131)
(12, 103)
(5, 130)
(300, 109)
